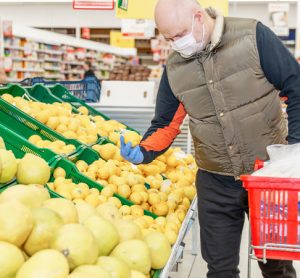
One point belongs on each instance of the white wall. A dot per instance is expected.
(63, 15)
(57, 15)
(259, 11)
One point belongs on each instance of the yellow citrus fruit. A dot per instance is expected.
(59, 172)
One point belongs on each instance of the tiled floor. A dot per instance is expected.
(194, 267)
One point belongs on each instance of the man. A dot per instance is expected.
(225, 74)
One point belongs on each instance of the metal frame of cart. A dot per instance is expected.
(267, 247)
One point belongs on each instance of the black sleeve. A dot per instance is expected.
(283, 71)
(165, 126)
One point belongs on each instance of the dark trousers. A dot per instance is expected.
(222, 205)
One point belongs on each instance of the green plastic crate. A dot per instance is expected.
(77, 177)
(50, 134)
(25, 131)
(87, 154)
(62, 93)
(43, 94)
(155, 273)
(20, 146)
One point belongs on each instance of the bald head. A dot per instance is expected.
(173, 14)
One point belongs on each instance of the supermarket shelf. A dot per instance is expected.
(52, 68)
(19, 30)
(289, 43)
(13, 47)
(27, 60)
(53, 60)
(73, 63)
(103, 68)
(53, 52)
(53, 76)
(27, 70)
(14, 80)
(73, 72)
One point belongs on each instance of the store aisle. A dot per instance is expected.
(194, 266)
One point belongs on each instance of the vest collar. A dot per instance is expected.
(217, 33)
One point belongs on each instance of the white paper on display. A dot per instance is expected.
(284, 162)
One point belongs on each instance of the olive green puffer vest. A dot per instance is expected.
(234, 112)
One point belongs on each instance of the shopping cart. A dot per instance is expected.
(87, 89)
(274, 218)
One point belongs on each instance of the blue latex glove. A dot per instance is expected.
(133, 155)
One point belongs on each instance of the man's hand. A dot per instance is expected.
(133, 155)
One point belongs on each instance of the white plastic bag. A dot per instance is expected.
(284, 162)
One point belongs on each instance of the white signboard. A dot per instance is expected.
(138, 28)
(93, 4)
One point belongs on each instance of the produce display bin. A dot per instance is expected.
(88, 89)
(25, 130)
(43, 94)
(20, 146)
(50, 134)
(77, 177)
(87, 154)
(64, 95)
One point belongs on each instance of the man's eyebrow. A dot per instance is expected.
(176, 35)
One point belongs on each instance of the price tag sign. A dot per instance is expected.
(93, 4)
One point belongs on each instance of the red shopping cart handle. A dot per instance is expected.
(258, 164)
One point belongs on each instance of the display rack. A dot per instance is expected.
(31, 52)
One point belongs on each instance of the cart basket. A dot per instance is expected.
(87, 89)
(274, 216)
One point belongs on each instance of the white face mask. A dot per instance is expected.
(188, 45)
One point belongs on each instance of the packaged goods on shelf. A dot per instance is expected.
(130, 73)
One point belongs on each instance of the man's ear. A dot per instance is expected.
(199, 16)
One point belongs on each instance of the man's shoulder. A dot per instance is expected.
(245, 24)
